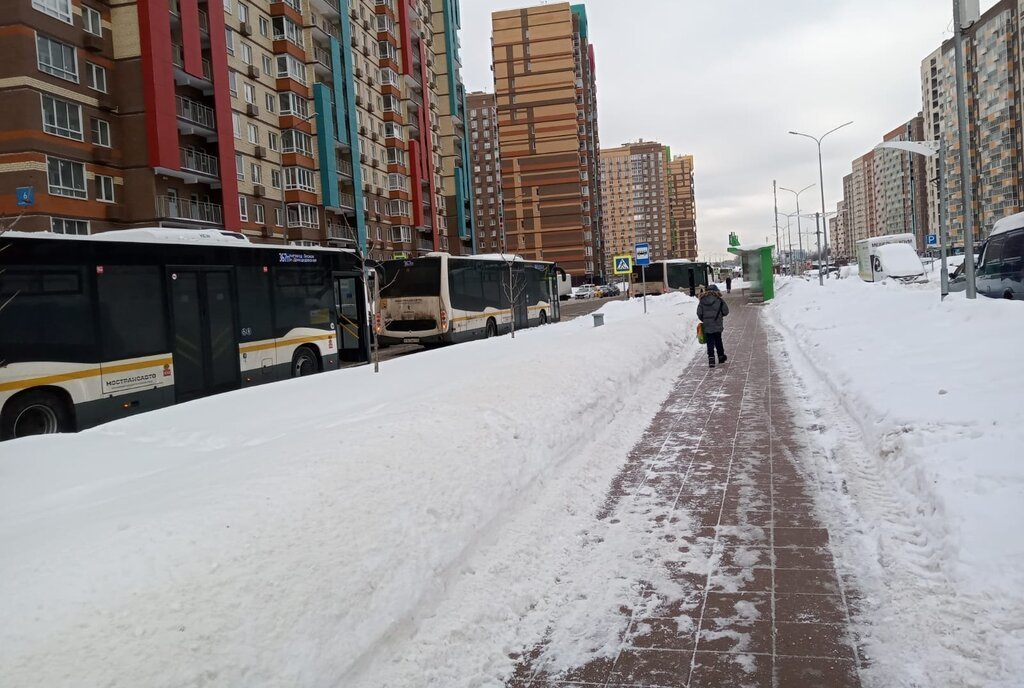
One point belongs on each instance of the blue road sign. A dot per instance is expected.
(622, 265)
(26, 196)
(932, 240)
(643, 254)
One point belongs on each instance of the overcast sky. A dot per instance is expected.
(726, 79)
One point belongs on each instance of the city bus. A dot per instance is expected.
(444, 299)
(100, 327)
(664, 276)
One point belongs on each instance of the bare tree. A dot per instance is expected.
(513, 289)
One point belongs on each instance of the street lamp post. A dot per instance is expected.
(821, 177)
(963, 128)
(789, 234)
(799, 234)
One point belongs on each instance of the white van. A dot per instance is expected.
(890, 256)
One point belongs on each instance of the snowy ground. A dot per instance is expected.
(346, 529)
(915, 413)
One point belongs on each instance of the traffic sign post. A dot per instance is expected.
(643, 259)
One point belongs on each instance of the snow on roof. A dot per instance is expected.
(752, 247)
(679, 260)
(906, 238)
(1008, 223)
(169, 235)
(900, 260)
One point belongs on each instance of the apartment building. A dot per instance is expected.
(456, 177)
(862, 200)
(545, 92)
(682, 208)
(117, 114)
(303, 121)
(485, 156)
(635, 191)
(996, 115)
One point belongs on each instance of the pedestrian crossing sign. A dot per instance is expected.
(623, 264)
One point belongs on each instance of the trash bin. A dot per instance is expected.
(598, 319)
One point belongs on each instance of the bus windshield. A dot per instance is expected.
(420, 277)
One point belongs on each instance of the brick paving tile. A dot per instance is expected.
(751, 598)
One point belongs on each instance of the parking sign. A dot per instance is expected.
(931, 240)
(643, 254)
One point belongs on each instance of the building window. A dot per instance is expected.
(236, 125)
(286, 29)
(299, 178)
(229, 40)
(257, 173)
(61, 118)
(254, 134)
(269, 101)
(258, 212)
(92, 21)
(104, 188)
(272, 141)
(275, 178)
(264, 28)
(246, 53)
(293, 104)
(233, 83)
(243, 12)
(61, 9)
(61, 226)
(56, 58)
(295, 141)
(243, 209)
(268, 65)
(250, 93)
(96, 76)
(302, 215)
(290, 67)
(278, 217)
(239, 167)
(66, 178)
(101, 133)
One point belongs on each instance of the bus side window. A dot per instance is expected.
(254, 317)
(48, 315)
(133, 316)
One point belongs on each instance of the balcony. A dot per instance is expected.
(183, 78)
(174, 208)
(324, 65)
(193, 160)
(346, 201)
(344, 168)
(324, 30)
(340, 234)
(197, 114)
(328, 8)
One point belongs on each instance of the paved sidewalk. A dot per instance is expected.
(754, 599)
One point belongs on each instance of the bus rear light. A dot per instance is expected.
(444, 320)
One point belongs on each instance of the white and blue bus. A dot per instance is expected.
(664, 276)
(105, 326)
(444, 299)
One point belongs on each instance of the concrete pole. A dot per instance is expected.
(817, 226)
(943, 221)
(775, 195)
(967, 193)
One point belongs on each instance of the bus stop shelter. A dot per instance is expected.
(758, 267)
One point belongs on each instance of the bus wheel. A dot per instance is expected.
(36, 412)
(543, 318)
(492, 328)
(304, 363)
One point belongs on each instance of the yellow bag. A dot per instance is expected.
(700, 333)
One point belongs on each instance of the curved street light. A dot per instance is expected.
(821, 177)
(799, 234)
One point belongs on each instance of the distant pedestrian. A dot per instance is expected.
(728, 284)
(711, 311)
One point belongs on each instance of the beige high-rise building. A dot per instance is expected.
(545, 91)
(682, 208)
(995, 77)
(634, 188)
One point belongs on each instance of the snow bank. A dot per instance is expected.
(299, 534)
(934, 474)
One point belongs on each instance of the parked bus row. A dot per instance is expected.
(665, 276)
(101, 327)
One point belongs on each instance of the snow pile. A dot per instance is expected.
(930, 468)
(344, 529)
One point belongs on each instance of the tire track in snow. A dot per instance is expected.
(916, 625)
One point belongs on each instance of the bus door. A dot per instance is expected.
(349, 305)
(520, 292)
(204, 328)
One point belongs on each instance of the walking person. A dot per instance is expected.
(728, 283)
(711, 311)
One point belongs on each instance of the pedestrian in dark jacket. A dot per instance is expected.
(728, 284)
(711, 311)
